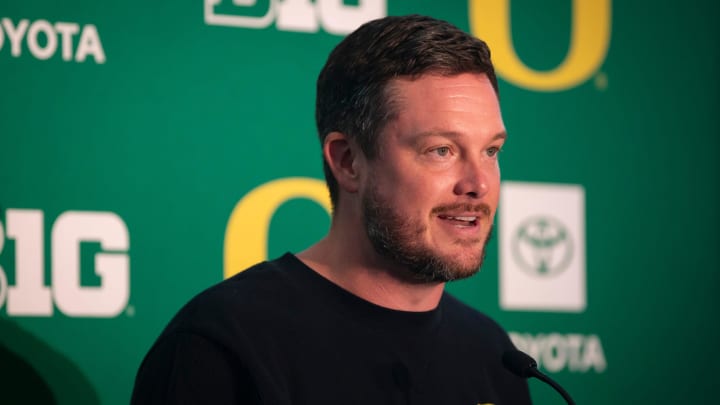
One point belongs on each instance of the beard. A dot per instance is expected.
(400, 239)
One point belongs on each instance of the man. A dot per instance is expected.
(410, 127)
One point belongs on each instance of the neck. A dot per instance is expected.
(347, 258)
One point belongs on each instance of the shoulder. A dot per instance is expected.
(254, 296)
(484, 342)
(473, 323)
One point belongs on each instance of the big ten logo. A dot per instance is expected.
(334, 16)
(44, 38)
(246, 235)
(30, 296)
(590, 38)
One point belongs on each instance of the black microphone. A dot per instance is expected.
(525, 366)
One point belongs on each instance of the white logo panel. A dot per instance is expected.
(542, 247)
(31, 296)
(297, 15)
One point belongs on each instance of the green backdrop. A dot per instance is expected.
(154, 120)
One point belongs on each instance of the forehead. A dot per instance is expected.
(434, 88)
(464, 103)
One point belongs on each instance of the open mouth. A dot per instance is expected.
(460, 220)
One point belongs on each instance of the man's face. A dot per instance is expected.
(432, 191)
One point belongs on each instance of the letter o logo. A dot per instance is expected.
(246, 235)
(589, 42)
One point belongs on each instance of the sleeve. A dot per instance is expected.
(184, 368)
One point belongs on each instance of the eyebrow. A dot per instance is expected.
(455, 135)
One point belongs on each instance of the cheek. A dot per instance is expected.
(420, 194)
(493, 182)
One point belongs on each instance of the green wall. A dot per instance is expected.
(169, 122)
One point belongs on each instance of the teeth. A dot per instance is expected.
(468, 219)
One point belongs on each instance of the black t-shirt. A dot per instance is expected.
(279, 333)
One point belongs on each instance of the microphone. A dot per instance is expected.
(525, 366)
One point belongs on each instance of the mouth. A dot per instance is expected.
(461, 220)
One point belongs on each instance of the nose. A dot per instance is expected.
(473, 180)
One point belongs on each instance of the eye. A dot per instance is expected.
(441, 151)
(493, 151)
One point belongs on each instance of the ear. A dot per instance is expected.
(345, 160)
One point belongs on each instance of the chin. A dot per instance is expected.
(451, 266)
(467, 266)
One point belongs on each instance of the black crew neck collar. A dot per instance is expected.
(361, 310)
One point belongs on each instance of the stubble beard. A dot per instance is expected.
(400, 240)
